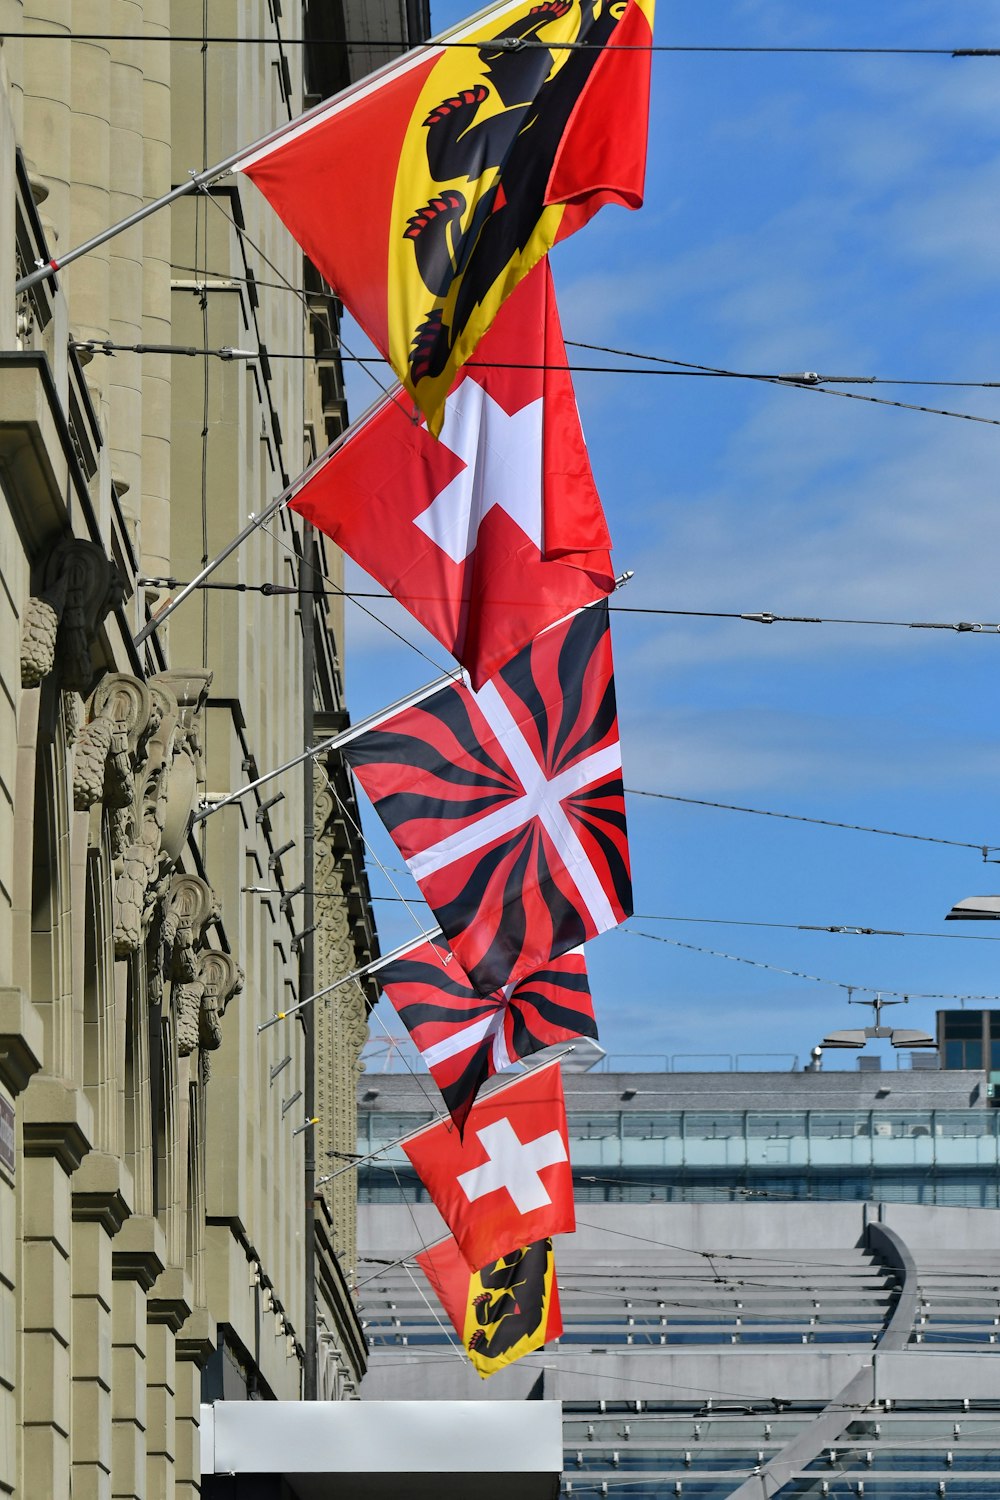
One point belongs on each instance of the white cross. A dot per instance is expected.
(541, 798)
(463, 1038)
(513, 1165)
(501, 466)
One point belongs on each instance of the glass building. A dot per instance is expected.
(780, 1284)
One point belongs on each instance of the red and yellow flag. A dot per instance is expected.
(503, 1311)
(428, 191)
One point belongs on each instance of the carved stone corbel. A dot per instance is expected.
(168, 784)
(141, 866)
(223, 980)
(188, 904)
(202, 1003)
(80, 586)
(119, 715)
(187, 690)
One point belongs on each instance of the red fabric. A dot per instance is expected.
(425, 207)
(485, 608)
(507, 804)
(448, 1273)
(598, 161)
(464, 1037)
(486, 1221)
(333, 187)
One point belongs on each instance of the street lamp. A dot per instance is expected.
(898, 1036)
(975, 909)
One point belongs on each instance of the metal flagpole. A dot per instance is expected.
(372, 968)
(352, 1166)
(198, 180)
(334, 743)
(167, 609)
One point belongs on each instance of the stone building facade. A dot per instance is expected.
(156, 1243)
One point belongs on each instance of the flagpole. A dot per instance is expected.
(361, 1161)
(166, 610)
(372, 968)
(195, 181)
(334, 743)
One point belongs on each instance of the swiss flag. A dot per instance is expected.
(508, 1182)
(495, 532)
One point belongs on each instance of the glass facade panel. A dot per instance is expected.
(652, 1127)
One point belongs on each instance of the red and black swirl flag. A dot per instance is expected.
(464, 1037)
(507, 804)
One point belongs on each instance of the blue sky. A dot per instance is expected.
(827, 213)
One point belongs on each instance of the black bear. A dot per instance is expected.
(523, 139)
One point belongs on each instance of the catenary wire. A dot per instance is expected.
(518, 44)
(756, 963)
(837, 929)
(341, 593)
(682, 365)
(691, 372)
(923, 838)
(758, 617)
(106, 346)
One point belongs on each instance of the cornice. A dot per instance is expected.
(198, 1338)
(102, 1192)
(22, 1039)
(57, 1120)
(171, 1300)
(139, 1252)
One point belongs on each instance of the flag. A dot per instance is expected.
(427, 191)
(508, 1182)
(496, 531)
(507, 804)
(464, 1037)
(508, 1308)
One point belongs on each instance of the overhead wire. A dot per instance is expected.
(836, 929)
(924, 838)
(756, 963)
(513, 44)
(792, 382)
(758, 617)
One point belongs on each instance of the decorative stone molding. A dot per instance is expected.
(99, 1192)
(80, 586)
(187, 691)
(222, 980)
(22, 1040)
(148, 835)
(139, 1252)
(118, 716)
(188, 904)
(56, 1121)
(171, 1301)
(198, 1337)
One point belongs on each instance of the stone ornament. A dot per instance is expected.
(80, 587)
(118, 717)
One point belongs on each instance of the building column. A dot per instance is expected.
(56, 1137)
(168, 1308)
(138, 1258)
(195, 1343)
(21, 1045)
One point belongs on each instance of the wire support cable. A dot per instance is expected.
(803, 381)
(760, 812)
(502, 43)
(756, 963)
(838, 929)
(755, 617)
